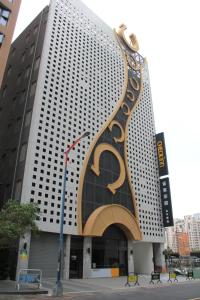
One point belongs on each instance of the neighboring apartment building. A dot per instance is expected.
(8, 16)
(192, 227)
(183, 243)
(74, 76)
(184, 234)
(171, 238)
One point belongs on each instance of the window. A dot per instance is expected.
(23, 57)
(37, 63)
(22, 97)
(28, 118)
(4, 91)
(35, 29)
(32, 49)
(9, 71)
(13, 52)
(32, 90)
(4, 16)
(27, 72)
(27, 37)
(1, 38)
(23, 152)
(19, 78)
(18, 188)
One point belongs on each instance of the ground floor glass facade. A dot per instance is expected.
(110, 250)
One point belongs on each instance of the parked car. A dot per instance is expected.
(180, 272)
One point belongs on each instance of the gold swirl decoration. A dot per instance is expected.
(133, 45)
(115, 132)
(107, 215)
(120, 139)
(95, 167)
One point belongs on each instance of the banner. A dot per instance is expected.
(161, 154)
(166, 202)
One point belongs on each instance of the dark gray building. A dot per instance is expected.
(16, 105)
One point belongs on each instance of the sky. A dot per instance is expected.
(168, 36)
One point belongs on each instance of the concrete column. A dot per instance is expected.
(87, 257)
(143, 257)
(158, 256)
(130, 254)
(67, 257)
(23, 252)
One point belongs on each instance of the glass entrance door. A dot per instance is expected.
(110, 250)
(76, 257)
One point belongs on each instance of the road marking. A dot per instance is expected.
(194, 299)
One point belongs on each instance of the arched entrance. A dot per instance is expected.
(106, 215)
(107, 234)
(110, 250)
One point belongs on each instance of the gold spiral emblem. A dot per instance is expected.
(95, 167)
(122, 137)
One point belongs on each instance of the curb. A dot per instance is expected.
(24, 292)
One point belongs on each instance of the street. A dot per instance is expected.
(184, 291)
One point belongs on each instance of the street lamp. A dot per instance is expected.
(59, 288)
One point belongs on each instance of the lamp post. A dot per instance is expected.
(58, 291)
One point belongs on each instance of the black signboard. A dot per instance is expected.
(166, 202)
(190, 274)
(161, 154)
(155, 276)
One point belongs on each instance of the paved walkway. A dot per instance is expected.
(8, 287)
(74, 286)
(99, 284)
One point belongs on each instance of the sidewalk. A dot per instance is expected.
(74, 286)
(8, 287)
(107, 284)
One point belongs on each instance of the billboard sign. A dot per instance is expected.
(161, 154)
(166, 202)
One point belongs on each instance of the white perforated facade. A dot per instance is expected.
(80, 81)
(143, 165)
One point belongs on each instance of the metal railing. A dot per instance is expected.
(29, 277)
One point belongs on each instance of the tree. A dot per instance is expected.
(15, 220)
(167, 252)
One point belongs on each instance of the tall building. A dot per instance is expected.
(183, 243)
(185, 234)
(8, 16)
(171, 239)
(71, 73)
(192, 227)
